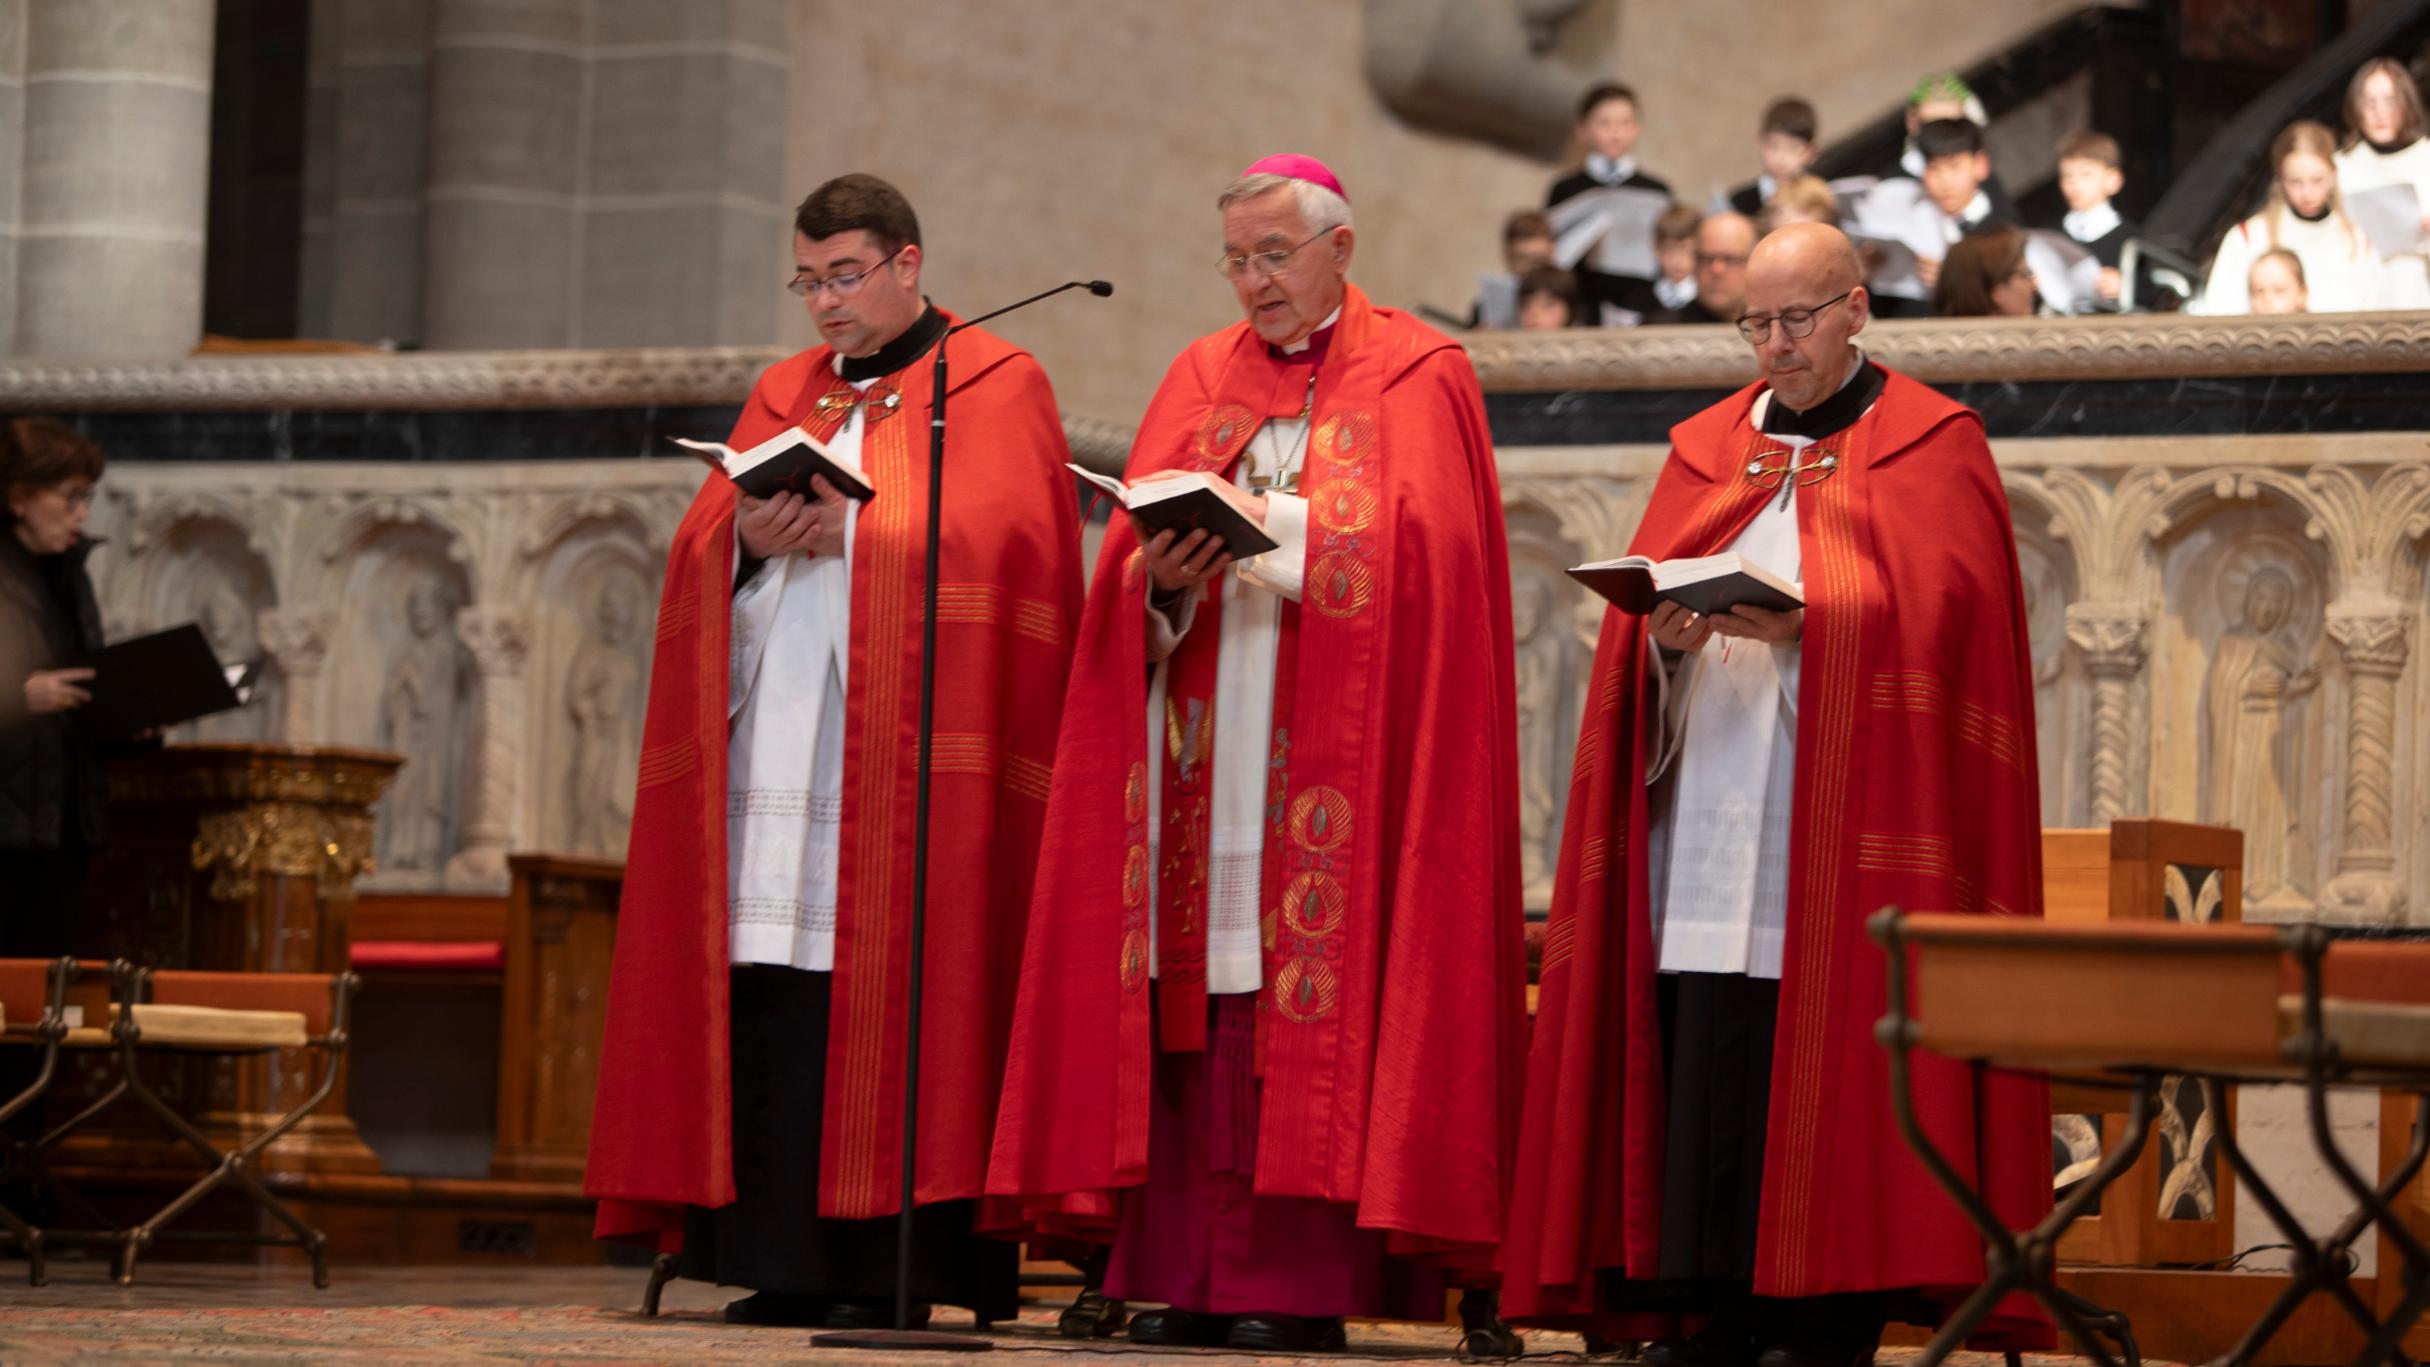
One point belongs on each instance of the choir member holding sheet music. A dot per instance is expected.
(2384, 170)
(2303, 215)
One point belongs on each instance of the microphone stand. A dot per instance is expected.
(903, 1335)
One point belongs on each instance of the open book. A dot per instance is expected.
(1184, 504)
(782, 463)
(1704, 584)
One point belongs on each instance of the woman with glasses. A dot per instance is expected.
(52, 793)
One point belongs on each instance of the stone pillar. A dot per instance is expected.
(500, 248)
(2371, 640)
(12, 147)
(685, 200)
(322, 86)
(116, 177)
(380, 144)
(298, 643)
(500, 642)
(2111, 638)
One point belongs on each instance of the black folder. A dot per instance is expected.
(156, 681)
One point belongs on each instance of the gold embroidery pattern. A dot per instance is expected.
(1341, 584)
(984, 605)
(1026, 777)
(1344, 506)
(1131, 961)
(1222, 433)
(965, 753)
(678, 616)
(1920, 692)
(1560, 941)
(1345, 438)
(1315, 908)
(1315, 904)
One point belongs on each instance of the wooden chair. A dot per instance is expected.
(179, 1012)
(44, 1005)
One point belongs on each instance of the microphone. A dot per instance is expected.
(1099, 288)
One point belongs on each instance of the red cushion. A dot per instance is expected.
(430, 956)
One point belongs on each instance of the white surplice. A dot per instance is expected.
(1721, 845)
(792, 645)
(1244, 714)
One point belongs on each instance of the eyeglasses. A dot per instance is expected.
(1267, 263)
(1796, 323)
(841, 286)
(1720, 259)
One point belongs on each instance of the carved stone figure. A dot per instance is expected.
(420, 711)
(2256, 678)
(227, 619)
(2046, 629)
(603, 695)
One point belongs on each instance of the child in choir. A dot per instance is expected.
(2385, 146)
(1785, 141)
(2090, 177)
(2303, 215)
(1527, 243)
(1807, 199)
(1956, 168)
(1548, 299)
(1608, 128)
(2275, 284)
(1674, 285)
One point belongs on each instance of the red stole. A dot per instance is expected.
(1915, 786)
(1388, 977)
(1007, 596)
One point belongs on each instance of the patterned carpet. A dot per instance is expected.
(531, 1315)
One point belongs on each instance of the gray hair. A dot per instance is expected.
(1319, 208)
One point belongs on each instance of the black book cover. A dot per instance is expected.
(154, 681)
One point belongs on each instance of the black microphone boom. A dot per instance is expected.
(902, 1336)
(1100, 288)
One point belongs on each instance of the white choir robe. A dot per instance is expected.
(792, 647)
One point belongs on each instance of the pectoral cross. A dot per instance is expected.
(1790, 473)
(1286, 474)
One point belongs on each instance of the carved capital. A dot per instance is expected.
(2372, 640)
(2111, 638)
(2370, 897)
(283, 839)
(499, 641)
(298, 641)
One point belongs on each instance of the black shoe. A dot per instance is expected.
(1816, 1355)
(1180, 1328)
(1719, 1344)
(1286, 1334)
(778, 1310)
(1093, 1316)
(872, 1315)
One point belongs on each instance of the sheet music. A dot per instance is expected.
(1893, 219)
(2389, 215)
(1497, 300)
(1894, 273)
(2064, 270)
(1613, 223)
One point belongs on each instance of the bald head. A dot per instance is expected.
(1805, 258)
(1722, 244)
(1809, 274)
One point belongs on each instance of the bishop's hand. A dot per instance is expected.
(1678, 630)
(1175, 563)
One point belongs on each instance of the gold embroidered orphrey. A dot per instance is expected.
(882, 399)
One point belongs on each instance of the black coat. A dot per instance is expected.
(53, 791)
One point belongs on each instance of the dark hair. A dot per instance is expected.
(859, 201)
(1525, 223)
(1976, 266)
(1552, 280)
(1678, 223)
(1948, 138)
(2409, 128)
(1601, 91)
(38, 453)
(1792, 116)
(2088, 145)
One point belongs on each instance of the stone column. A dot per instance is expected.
(2371, 640)
(500, 642)
(2111, 638)
(500, 247)
(380, 142)
(12, 147)
(116, 176)
(298, 643)
(685, 198)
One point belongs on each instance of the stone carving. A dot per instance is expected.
(2112, 643)
(2043, 570)
(500, 642)
(604, 699)
(2372, 645)
(227, 618)
(419, 716)
(1545, 651)
(2258, 679)
(1480, 70)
